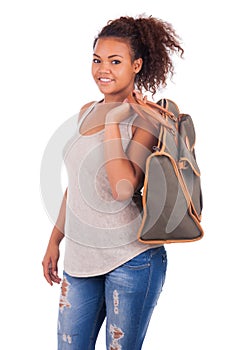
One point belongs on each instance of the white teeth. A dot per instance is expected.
(105, 79)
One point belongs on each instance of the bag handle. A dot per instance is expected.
(157, 112)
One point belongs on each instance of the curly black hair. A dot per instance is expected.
(151, 39)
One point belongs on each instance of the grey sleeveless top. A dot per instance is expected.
(101, 233)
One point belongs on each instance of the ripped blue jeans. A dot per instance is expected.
(126, 296)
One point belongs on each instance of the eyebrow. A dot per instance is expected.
(111, 56)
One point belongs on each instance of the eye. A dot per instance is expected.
(96, 60)
(116, 62)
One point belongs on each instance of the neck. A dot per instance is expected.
(116, 98)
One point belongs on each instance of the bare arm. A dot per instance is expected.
(125, 171)
(52, 254)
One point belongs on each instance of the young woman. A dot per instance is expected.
(108, 273)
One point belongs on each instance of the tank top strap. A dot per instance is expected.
(130, 124)
(126, 126)
(85, 114)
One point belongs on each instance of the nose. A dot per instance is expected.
(104, 67)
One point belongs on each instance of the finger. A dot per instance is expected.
(47, 275)
(138, 95)
(54, 277)
(46, 269)
(54, 272)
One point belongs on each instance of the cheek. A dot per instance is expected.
(127, 75)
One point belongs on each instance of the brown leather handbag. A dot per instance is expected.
(172, 195)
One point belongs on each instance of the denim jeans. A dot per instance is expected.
(126, 296)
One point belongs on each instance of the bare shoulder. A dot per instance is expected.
(144, 132)
(84, 108)
(141, 125)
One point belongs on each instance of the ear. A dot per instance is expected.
(138, 65)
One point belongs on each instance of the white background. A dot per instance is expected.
(46, 52)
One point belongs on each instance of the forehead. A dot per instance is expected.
(112, 46)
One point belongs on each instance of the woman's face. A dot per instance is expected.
(113, 69)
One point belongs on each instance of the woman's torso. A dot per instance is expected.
(101, 233)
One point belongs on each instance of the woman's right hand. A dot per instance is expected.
(49, 263)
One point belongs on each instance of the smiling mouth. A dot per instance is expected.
(105, 80)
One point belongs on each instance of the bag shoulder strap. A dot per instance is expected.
(158, 113)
